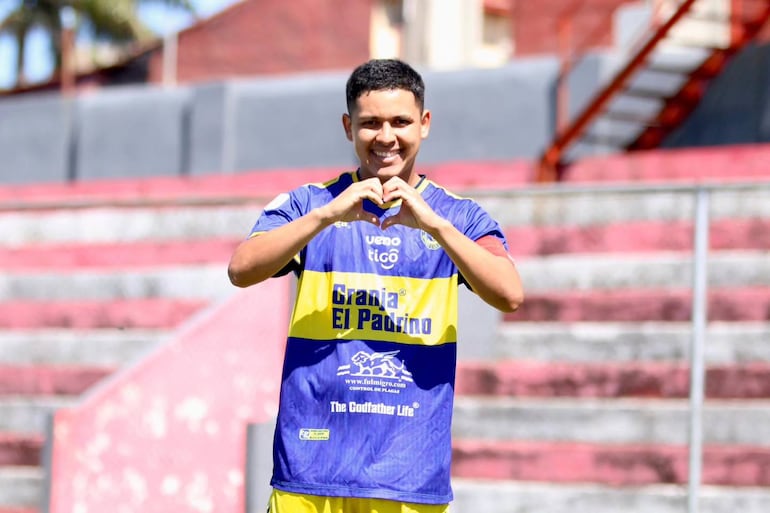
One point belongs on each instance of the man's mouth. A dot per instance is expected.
(386, 156)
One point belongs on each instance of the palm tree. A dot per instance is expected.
(115, 21)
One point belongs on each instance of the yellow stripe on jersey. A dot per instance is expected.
(355, 306)
(288, 502)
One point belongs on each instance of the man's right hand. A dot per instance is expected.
(349, 206)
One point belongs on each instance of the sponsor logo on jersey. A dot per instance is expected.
(375, 310)
(383, 250)
(370, 408)
(375, 372)
(314, 435)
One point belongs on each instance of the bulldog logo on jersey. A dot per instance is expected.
(376, 365)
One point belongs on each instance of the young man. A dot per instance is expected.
(368, 378)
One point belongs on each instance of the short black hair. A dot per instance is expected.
(381, 75)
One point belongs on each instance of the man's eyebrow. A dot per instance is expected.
(368, 117)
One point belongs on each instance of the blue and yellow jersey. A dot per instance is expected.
(368, 379)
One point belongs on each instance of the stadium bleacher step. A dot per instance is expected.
(618, 271)
(634, 305)
(151, 313)
(28, 380)
(596, 420)
(20, 450)
(28, 414)
(67, 347)
(608, 341)
(666, 380)
(21, 489)
(626, 465)
(497, 496)
(202, 282)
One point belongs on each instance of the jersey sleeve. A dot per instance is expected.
(281, 210)
(477, 224)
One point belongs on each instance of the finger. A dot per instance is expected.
(363, 215)
(374, 192)
(393, 193)
(400, 218)
(390, 221)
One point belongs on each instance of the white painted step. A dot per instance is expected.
(108, 348)
(473, 496)
(112, 225)
(623, 421)
(198, 281)
(726, 342)
(590, 208)
(29, 415)
(21, 487)
(655, 270)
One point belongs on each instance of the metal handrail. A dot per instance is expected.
(552, 157)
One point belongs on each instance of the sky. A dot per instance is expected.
(159, 18)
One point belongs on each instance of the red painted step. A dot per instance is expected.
(137, 254)
(627, 379)
(744, 162)
(264, 184)
(49, 380)
(20, 450)
(724, 304)
(636, 237)
(624, 465)
(155, 313)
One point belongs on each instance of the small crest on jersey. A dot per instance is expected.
(314, 435)
(277, 201)
(429, 241)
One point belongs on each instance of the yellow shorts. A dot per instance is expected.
(287, 502)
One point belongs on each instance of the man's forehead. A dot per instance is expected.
(388, 101)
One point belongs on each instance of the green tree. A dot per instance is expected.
(114, 21)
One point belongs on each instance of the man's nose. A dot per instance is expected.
(385, 134)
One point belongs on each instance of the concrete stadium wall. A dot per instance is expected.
(266, 123)
(35, 138)
(132, 132)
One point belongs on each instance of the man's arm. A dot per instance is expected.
(260, 257)
(491, 275)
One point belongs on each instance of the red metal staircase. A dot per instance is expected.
(664, 76)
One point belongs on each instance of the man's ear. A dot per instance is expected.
(425, 124)
(347, 124)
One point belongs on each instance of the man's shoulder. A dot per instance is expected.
(340, 181)
(439, 192)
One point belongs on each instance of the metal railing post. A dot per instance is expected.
(259, 465)
(697, 364)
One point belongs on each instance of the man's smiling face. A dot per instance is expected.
(386, 128)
